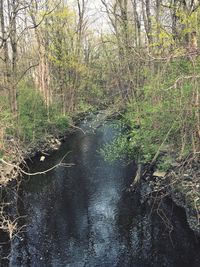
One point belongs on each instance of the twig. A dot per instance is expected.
(158, 152)
(76, 127)
(42, 172)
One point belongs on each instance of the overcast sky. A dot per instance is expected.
(97, 18)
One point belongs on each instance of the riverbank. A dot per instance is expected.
(74, 216)
(182, 184)
(184, 188)
(10, 222)
(12, 168)
(11, 172)
(17, 152)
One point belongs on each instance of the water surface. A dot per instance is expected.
(85, 216)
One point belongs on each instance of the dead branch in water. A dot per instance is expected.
(76, 127)
(42, 172)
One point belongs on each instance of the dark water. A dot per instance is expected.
(84, 216)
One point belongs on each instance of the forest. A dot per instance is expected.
(59, 59)
(134, 61)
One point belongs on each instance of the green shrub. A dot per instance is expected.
(162, 116)
(83, 106)
(117, 149)
(1, 153)
(35, 119)
(58, 124)
(164, 163)
(32, 114)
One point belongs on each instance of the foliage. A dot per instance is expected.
(147, 65)
(34, 118)
(164, 163)
(115, 150)
(32, 114)
(6, 123)
(84, 107)
(163, 116)
(58, 124)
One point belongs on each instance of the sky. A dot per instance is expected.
(97, 15)
(97, 18)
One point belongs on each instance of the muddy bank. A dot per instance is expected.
(184, 188)
(182, 185)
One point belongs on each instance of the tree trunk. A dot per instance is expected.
(4, 46)
(42, 76)
(148, 24)
(13, 40)
(174, 20)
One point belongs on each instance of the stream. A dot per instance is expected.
(84, 215)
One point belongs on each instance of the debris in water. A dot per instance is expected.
(42, 158)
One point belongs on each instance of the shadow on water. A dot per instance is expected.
(84, 216)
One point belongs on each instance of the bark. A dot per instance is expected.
(148, 24)
(137, 25)
(174, 20)
(13, 41)
(4, 46)
(158, 10)
(81, 13)
(42, 75)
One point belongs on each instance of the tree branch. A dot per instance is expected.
(42, 172)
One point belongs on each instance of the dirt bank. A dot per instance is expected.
(182, 185)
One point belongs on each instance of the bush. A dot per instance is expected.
(58, 124)
(34, 118)
(164, 115)
(32, 114)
